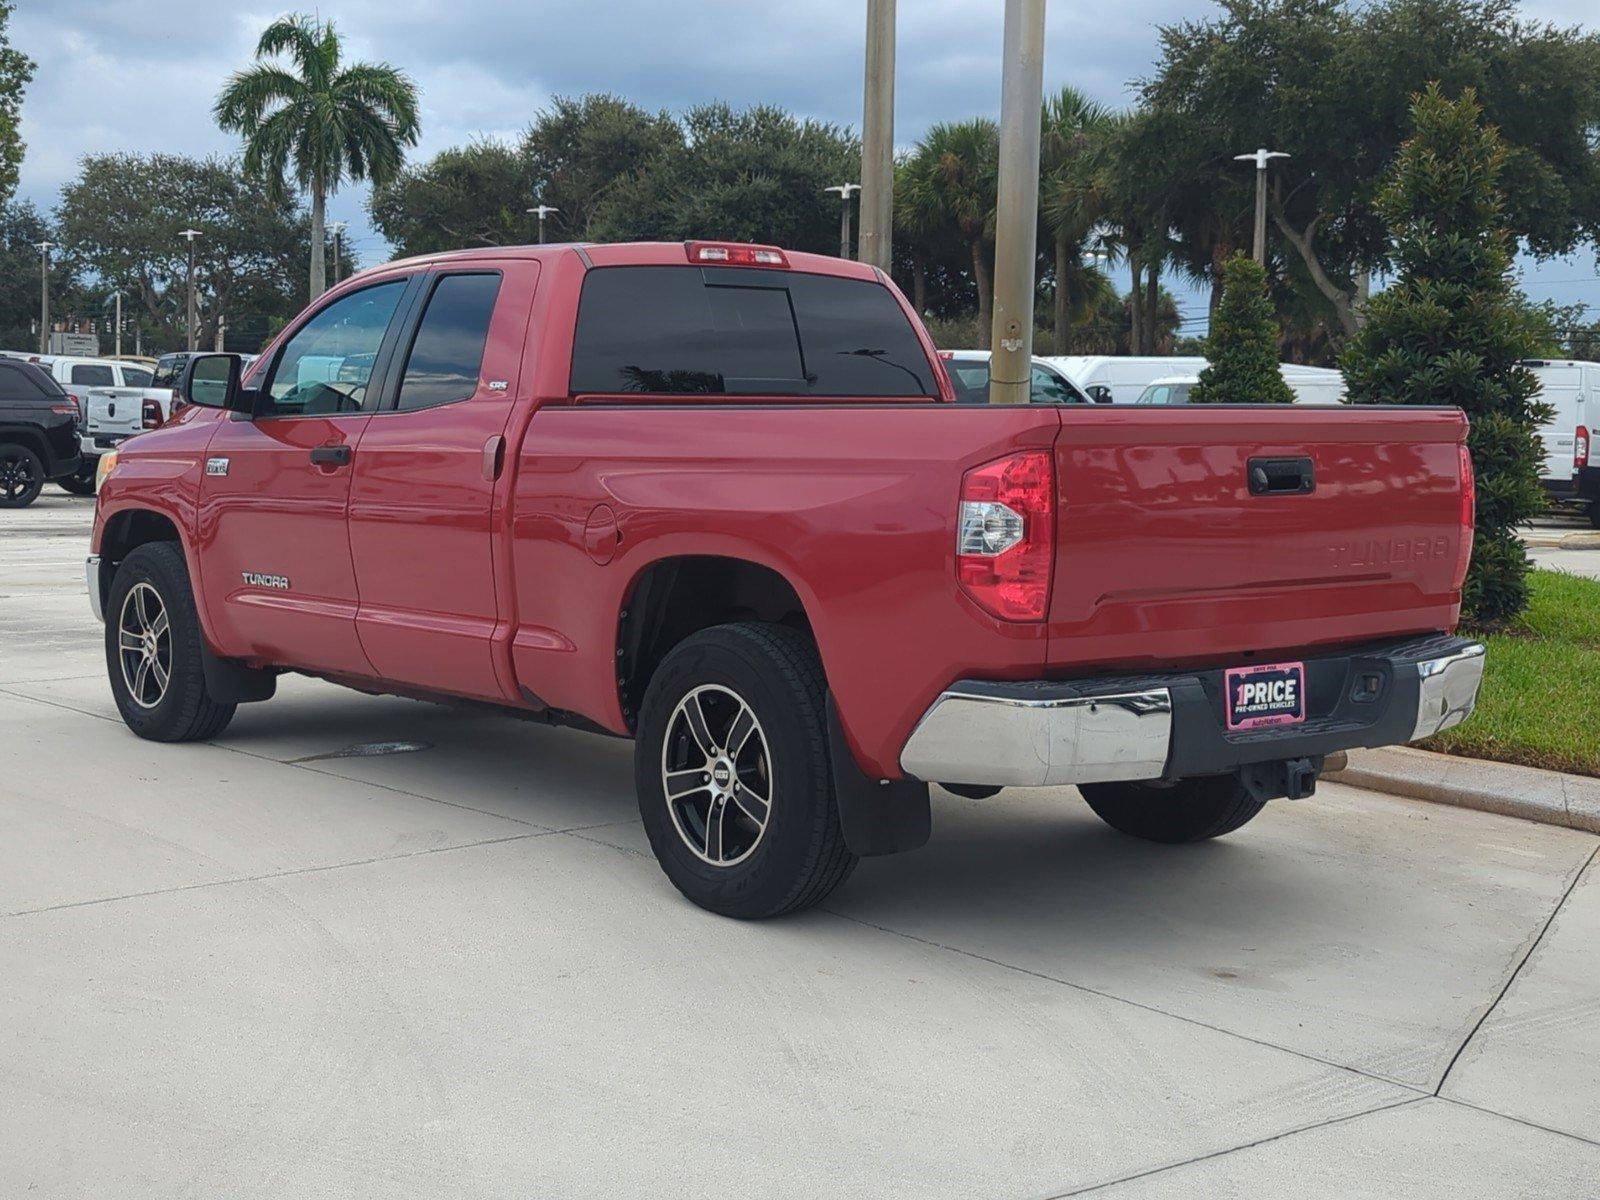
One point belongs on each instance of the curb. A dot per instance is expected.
(1550, 797)
(1562, 541)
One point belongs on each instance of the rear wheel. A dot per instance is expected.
(1191, 810)
(153, 649)
(81, 481)
(732, 771)
(21, 476)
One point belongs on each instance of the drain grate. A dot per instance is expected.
(368, 750)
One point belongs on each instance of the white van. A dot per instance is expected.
(1572, 389)
(1310, 385)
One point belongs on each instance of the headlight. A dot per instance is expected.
(103, 467)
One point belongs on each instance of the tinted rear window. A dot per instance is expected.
(93, 375)
(740, 331)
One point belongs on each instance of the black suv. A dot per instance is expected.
(38, 432)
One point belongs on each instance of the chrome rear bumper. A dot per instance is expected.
(1169, 726)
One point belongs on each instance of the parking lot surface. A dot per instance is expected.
(267, 966)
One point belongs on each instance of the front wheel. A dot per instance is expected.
(21, 476)
(1190, 810)
(153, 649)
(732, 771)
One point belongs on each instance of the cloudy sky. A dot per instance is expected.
(140, 74)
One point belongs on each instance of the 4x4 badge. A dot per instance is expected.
(216, 466)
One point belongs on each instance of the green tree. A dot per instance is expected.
(1453, 330)
(473, 195)
(1242, 347)
(1072, 193)
(1330, 81)
(749, 175)
(122, 215)
(953, 172)
(322, 121)
(577, 150)
(22, 228)
(16, 72)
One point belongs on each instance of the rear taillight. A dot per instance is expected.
(1005, 535)
(1580, 448)
(736, 255)
(76, 410)
(151, 416)
(1469, 509)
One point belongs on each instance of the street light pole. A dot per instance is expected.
(190, 235)
(542, 211)
(1260, 158)
(877, 139)
(117, 336)
(1017, 207)
(844, 192)
(44, 249)
(338, 228)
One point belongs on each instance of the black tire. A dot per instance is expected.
(21, 475)
(184, 710)
(81, 481)
(1191, 810)
(799, 856)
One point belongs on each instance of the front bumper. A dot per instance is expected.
(91, 580)
(1170, 726)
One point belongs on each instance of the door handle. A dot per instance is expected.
(331, 456)
(494, 457)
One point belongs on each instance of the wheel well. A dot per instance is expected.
(31, 438)
(681, 596)
(126, 531)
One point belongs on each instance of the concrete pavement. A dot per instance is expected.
(258, 968)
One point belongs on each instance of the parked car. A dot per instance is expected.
(116, 399)
(1310, 385)
(969, 375)
(719, 499)
(1572, 390)
(1121, 378)
(38, 432)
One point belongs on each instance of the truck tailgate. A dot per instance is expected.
(1166, 557)
(114, 411)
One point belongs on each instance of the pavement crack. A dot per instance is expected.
(1262, 1141)
(270, 875)
(1422, 1093)
(1527, 954)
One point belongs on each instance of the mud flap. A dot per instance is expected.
(229, 682)
(878, 818)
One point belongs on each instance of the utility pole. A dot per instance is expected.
(44, 249)
(541, 211)
(877, 139)
(844, 191)
(222, 331)
(190, 235)
(1017, 207)
(1260, 158)
(338, 228)
(116, 299)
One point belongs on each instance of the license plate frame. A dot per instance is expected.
(1264, 695)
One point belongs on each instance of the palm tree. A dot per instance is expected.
(324, 122)
(954, 169)
(1072, 195)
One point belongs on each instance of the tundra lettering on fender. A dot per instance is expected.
(719, 499)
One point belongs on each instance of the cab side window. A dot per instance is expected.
(136, 377)
(93, 375)
(447, 354)
(324, 369)
(1049, 388)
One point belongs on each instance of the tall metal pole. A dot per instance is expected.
(844, 192)
(190, 235)
(118, 337)
(541, 211)
(338, 228)
(44, 249)
(1261, 158)
(877, 138)
(1017, 208)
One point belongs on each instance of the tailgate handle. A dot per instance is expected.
(1282, 477)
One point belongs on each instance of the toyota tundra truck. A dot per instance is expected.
(719, 499)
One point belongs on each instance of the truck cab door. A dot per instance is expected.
(422, 504)
(275, 491)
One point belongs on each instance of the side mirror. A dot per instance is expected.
(1100, 394)
(212, 381)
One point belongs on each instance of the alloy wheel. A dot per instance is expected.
(144, 645)
(716, 774)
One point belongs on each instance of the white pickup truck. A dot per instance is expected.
(115, 400)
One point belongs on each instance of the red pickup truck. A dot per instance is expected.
(719, 499)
